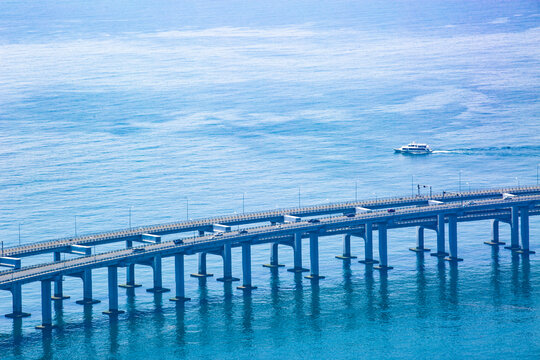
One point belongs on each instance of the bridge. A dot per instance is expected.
(287, 227)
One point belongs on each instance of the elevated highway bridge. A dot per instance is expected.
(288, 227)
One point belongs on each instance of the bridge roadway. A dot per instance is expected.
(134, 234)
(432, 217)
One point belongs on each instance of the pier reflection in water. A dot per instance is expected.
(362, 302)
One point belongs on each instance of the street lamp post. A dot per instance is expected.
(187, 209)
(130, 217)
(19, 234)
(537, 173)
(356, 190)
(459, 180)
(299, 196)
(243, 202)
(75, 225)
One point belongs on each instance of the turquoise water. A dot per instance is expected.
(178, 109)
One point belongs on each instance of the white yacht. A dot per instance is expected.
(414, 148)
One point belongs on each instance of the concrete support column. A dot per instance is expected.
(202, 266)
(524, 211)
(86, 277)
(452, 239)
(58, 282)
(368, 249)
(297, 254)
(346, 248)
(383, 248)
(274, 260)
(227, 264)
(179, 279)
(314, 256)
(419, 241)
(514, 230)
(46, 311)
(441, 251)
(130, 277)
(246, 268)
(158, 282)
(130, 271)
(113, 291)
(16, 293)
(494, 235)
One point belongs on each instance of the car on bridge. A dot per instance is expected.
(314, 221)
(178, 242)
(139, 249)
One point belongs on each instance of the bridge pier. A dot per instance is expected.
(452, 239)
(441, 251)
(514, 230)
(495, 235)
(274, 260)
(368, 248)
(130, 271)
(383, 248)
(86, 277)
(524, 211)
(246, 268)
(202, 267)
(346, 248)
(314, 256)
(179, 279)
(113, 292)
(58, 282)
(16, 294)
(227, 265)
(46, 310)
(420, 241)
(158, 282)
(297, 254)
(130, 278)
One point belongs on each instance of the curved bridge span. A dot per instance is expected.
(289, 227)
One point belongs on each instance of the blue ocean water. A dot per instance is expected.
(173, 109)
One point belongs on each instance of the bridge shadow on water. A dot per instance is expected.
(285, 307)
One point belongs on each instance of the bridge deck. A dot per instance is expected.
(256, 217)
(413, 216)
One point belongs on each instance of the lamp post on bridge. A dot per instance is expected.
(75, 225)
(130, 218)
(299, 196)
(425, 187)
(459, 180)
(19, 234)
(243, 203)
(356, 188)
(187, 209)
(537, 165)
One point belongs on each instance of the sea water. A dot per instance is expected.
(133, 113)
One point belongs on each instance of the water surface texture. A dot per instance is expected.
(178, 110)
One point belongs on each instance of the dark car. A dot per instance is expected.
(244, 231)
(314, 221)
(350, 215)
(139, 249)
(391, 210)
(178, 241)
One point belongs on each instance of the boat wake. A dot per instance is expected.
(530, 150)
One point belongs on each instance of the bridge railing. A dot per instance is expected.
(249, 216)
